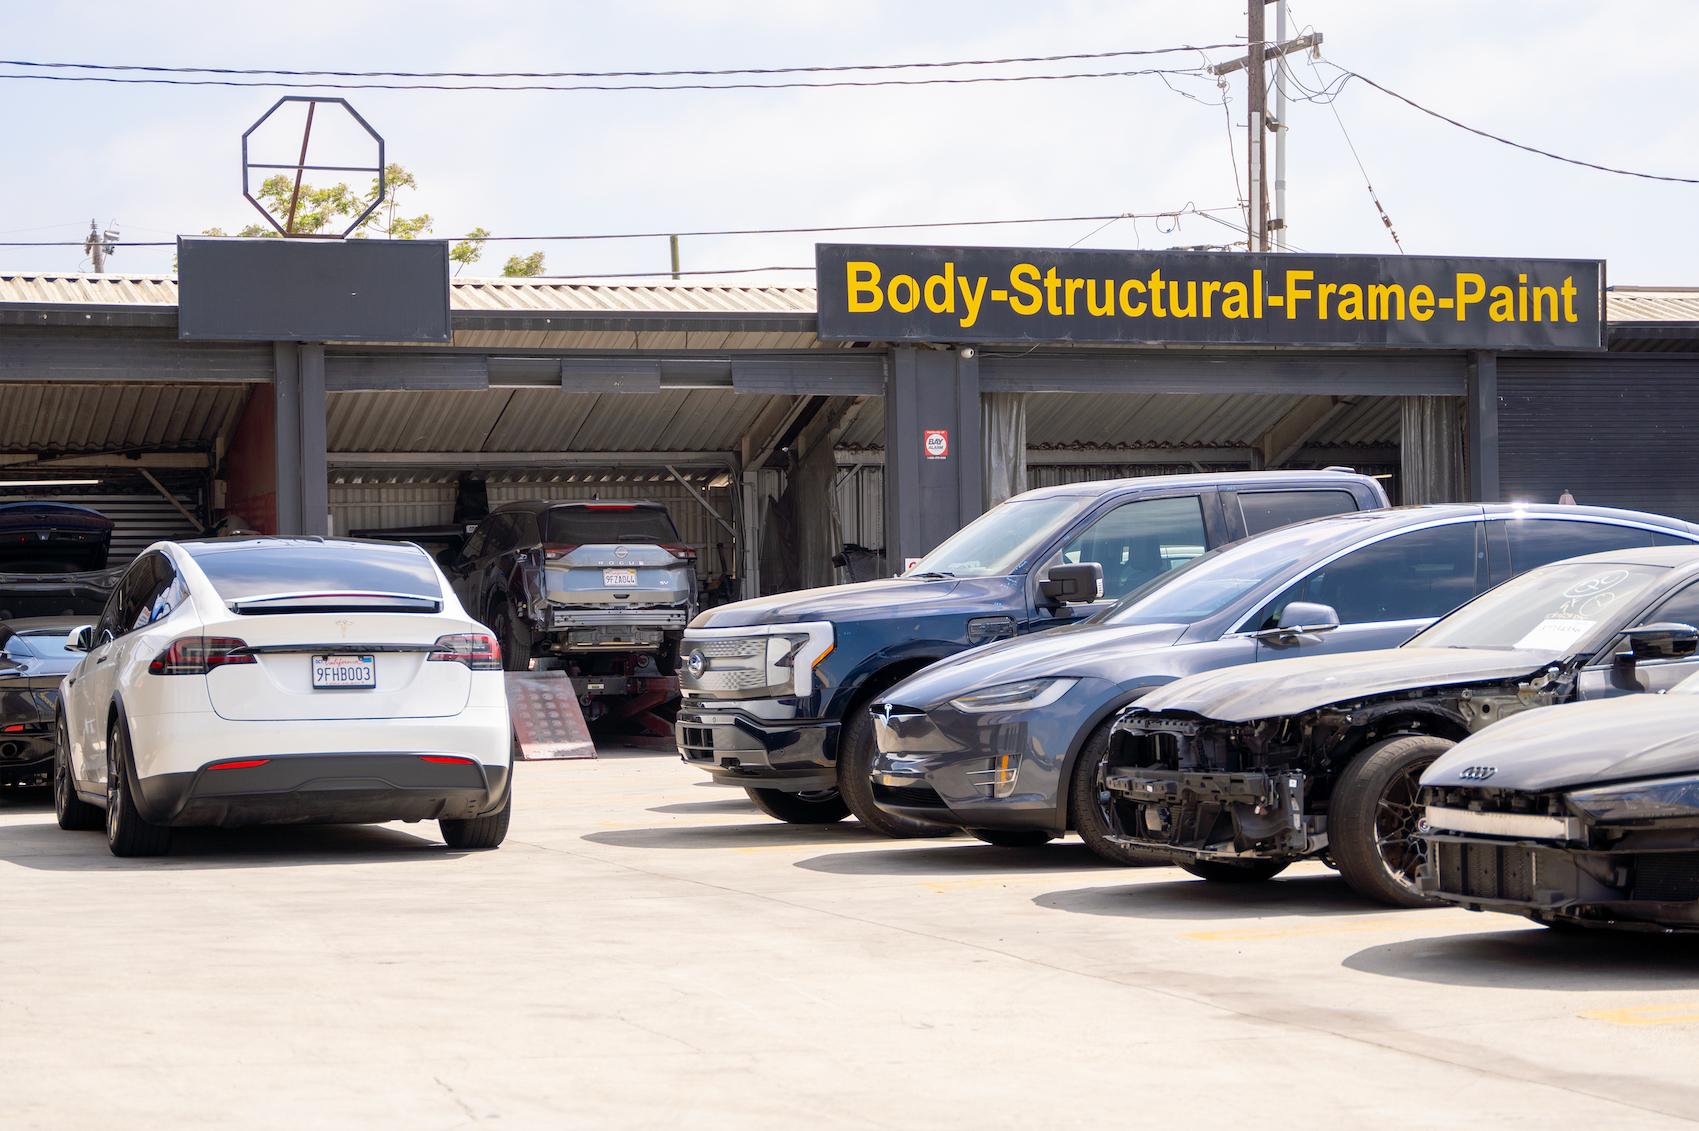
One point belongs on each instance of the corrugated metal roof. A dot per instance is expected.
(1652, 304)
(539, 420)
(1168, 419)
(90, 418)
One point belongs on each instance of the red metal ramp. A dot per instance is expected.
(547, 721)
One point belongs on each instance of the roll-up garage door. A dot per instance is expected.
(1610, 432)
(142, 516)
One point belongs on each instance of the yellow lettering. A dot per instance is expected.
(1470, 290)
(1350, 302)
(862, 280)
(1210, 288)
(1107, 306)
(911, 300)
(1503, 308)
(944, 285)
(1421, 302)
(1380, 302)
(1295, 293)
(1128, 307)
(1256, 294)
(1190, 309)
(1238, 301)
(1156, 307)
(972, 298)
(1023, 278)
(1568, 289)
(1323, 292)
(1052, 301)
(1521, 298)
(1074, 286)
(1541, 296)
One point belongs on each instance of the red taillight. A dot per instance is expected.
(14, 728)
(555, 552)
(688, 553)
(479, 652)
(445, 758)
(198, 655)
(242, 764)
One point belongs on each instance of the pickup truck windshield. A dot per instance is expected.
(1206, 585)
(1566, 607)
(993, 544)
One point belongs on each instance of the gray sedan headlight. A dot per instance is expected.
(1641, 800)
(1027, 695)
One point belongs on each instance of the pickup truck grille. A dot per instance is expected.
(729, 649)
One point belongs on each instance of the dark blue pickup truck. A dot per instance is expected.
(775, 689)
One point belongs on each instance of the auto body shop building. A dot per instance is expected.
(778, 423)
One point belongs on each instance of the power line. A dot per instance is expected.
(1184, 210)
(1450, 121)
(1008, 61)
(581, 87)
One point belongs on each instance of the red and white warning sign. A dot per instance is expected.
(937, 441)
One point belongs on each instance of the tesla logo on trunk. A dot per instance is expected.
(697, 663)
(1477, 773)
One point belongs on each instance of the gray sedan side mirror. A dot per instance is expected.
(1665, 640)
(1301, 618)
(80, 639)
(1072, 584)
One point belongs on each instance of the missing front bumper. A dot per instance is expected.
(1186, 815)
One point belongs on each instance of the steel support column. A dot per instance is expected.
(303, 490)
(929, 496)
(1482, 428)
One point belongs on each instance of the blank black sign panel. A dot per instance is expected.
(283, 290)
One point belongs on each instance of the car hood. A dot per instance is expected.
(1287, 687)
(1102, 650)
(1578, 744)
(862, 600)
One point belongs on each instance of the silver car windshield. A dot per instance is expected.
(1205, 585)
(993, 544)
(1565, 607)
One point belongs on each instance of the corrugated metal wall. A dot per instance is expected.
(377, 505)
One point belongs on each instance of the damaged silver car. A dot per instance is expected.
(1235, 774)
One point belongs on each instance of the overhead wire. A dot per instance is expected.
(1368, 182)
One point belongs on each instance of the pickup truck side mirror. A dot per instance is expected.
(1072, 584)
(80, 639)
(1301, 618)
(1665, 640)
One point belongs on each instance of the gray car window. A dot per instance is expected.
(1140, 540)
(1410, 576)
(1265, 510)
(1538, 542)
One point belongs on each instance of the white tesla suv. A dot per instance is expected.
(283, 680)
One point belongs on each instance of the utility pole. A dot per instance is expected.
(1254, 64)
(98, 245)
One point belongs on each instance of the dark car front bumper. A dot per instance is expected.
(996, 770)
(740, 748)
(1646, 888)
(352, 788)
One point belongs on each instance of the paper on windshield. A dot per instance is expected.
(1556, 634)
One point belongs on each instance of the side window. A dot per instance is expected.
(525, 531)
(1265, 510)
(1682, 607)
(129, 608)
(1660, 538)
(164, 594)
(1137, 541)
(501, 535)
(474, 548)
(1425, 573)
(1535, 542)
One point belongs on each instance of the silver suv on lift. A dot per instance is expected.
(605, 586)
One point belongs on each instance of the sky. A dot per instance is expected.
(1607, 83)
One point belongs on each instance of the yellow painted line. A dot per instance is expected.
(1356, 927)
(1668, 1013)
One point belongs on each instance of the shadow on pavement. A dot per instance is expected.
(736, 836)
(45, 846)
(694, 808)
(971, 858)
(1186, 897)
(25, 799)
(1534, 958)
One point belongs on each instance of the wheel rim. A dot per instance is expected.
(1400, 826)
(114, 788)
(61, 775)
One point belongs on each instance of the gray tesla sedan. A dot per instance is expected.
(1009, 741)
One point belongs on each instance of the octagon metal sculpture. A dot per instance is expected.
(301, 167)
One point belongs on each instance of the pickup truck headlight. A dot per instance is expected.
(1027, 695)
(1641, 800)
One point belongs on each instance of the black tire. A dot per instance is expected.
(1233, 872)
(1014, 838)
(856, 752)
(514, 640)
(1088, 804)
(487, 831)
(71, 811)
(817, 807)
(1374, 821)
(127, 832)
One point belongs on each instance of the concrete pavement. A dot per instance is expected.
(648, 951)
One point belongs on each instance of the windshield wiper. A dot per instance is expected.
(932, 575)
